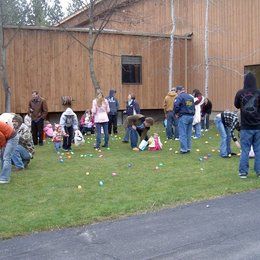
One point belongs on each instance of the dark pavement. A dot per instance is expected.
(224, 228)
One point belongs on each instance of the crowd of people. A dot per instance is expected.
(184, 112)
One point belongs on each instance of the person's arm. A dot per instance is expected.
(44, 109)
(107, 106)
(235, 123)
(94, 107)
(75, 122)
(177, 104)
(237, 103)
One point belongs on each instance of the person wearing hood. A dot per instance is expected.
(38, 110)
(248, 101)
(8, 142)
(172, 121)
(25, 149)
(112, 115)
(69, 123)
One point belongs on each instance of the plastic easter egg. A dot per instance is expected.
(101, 183)
(114, 174)
(79, 187)
(87, 173)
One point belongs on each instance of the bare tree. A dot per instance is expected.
(171, 58)
(3, 69)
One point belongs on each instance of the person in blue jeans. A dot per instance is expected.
(8, 142)
(132, 108)
(138, 125)
(226, 123)
(184, 109)
(25, 149)
(248, 101)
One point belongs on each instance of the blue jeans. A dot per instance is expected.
(197, 128)
(127, 133)
(176, 126)
(185, 131)
(57, 146)
(225, 136)
(6, 156)
(169, 126)
(133, 136)
(248, 138)
(20, 156)
(205, 119)
(98, 133)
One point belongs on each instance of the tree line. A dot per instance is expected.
(37, 12)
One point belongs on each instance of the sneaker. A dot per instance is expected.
(176, 139)
(258, 175)
(183, 152)
(136, 149)
(242, 175)
(125, 141)
(104, 145)
(4, 181)
(233, 154)
(206, 130)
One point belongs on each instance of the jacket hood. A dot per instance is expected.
(172, 94)
(112, 92)
(250, 81)
(69, 112)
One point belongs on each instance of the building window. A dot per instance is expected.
(131, 69)
(255, 69)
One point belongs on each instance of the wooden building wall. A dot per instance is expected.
(52, 62)
(233, 39)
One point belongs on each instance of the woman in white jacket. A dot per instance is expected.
(198, 101)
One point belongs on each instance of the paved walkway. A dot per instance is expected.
(225, 228)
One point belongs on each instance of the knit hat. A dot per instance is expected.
(180, 88)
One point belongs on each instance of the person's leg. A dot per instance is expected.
(115, 124)
(197, 128)
(207, 121)
(106, 135)
(65, 139)
(126, 137)
(169, 127)
(133, 137)
(202, 122)
(256, 146)
(6, 158)
(71, 136)
(34, 132)
(40, 125)
(183, 133)
(176, 127)
(110, 122)
(98, 135)
(189, 133)
(19, 156)
(246, 139)
(223, 136)
(228, 140)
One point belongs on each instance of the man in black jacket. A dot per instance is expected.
(248, 101)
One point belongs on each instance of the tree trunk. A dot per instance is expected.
(91, 48)
(3, 72)
(206, 40)
(171, 58)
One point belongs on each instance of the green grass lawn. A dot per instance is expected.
(46, 196)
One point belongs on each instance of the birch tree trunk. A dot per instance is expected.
(206, 41)
(91, 47)
(171, 58)
(3, 71)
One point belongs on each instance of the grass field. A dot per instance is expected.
(51, 194)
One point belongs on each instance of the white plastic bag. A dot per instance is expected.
(78, 138)
(143, 145)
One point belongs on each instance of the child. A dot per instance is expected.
(57, 137)
(87, 123)
(48, 130)
(155, 143)
(28, 121)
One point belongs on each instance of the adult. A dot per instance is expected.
(25, 149)
(38, 110)
(132, 108)
(112, 115)
(8, 142)
(248, 101)
(226, 123)
(184, 110)
(172, 121)
(138, 125)
(198, 101)
(69, 123)
(206, 109)
(100, 110)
